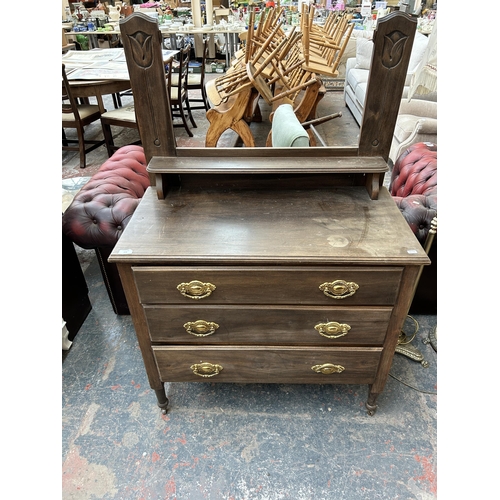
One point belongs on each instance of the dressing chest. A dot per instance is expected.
(265, 264)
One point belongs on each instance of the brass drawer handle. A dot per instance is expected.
(339, 289)
(206, 369)
(196, 289)
(201, 328)
(332, 329)
(328, 368)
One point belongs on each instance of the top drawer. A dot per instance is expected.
(271, 285)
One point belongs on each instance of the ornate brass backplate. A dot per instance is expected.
(206, 369)
(332, 329)
(339, 289)
(200, 328)
(196, 289)
(328, 368)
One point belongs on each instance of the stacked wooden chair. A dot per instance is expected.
(323, 46)
(270, 65)
(279, 68)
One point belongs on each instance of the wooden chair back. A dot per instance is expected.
(178, 87)
(179, 97)
(78, 116)
(70, 110)
(196, 81)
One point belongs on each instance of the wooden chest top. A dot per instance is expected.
(338, 225)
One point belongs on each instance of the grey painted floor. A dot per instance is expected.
(237, 441)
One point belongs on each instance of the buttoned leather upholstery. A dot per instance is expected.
(414, 189)
(415, 171)
(414, 186)
(101, 210)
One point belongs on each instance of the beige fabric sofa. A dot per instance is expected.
(417, 122)
(358, 68)
(350, 50)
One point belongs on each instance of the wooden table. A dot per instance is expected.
(98, 89)
(230, 36)
(100, 72)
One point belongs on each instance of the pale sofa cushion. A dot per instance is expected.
(364, 50)
(417, 51)
(357, 76)
(405, 125)
(360, 93)
(287, 130)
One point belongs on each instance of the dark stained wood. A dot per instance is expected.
(288, 170)
(257, 324)
(277, 161)
(282, 285)
(263, 181)
(267, 252)
(383, 95)
(332, 151)
(142, 44)
(286, 365)
(267, 227)
(338, 226)
(395, 326)
(393, 41)
(141, 328)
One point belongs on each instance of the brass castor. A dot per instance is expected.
(371, 409)
(162, 400)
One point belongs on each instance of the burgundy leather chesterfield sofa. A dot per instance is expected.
(414, 189)
(102, 209)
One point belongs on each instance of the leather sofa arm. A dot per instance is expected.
(102, 209)
(415, 171)
(419, 211)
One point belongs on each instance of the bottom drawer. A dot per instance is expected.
(305, 365)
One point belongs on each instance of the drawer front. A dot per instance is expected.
(297, 325)
(325, 365)
(331, 286)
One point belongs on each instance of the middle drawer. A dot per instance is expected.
(296, 325)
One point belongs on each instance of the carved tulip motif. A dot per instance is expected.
(140, 44)
(394, 45)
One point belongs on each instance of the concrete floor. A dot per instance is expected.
(237, 441)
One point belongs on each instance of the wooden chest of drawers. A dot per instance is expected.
(288, 265)
(298, 285)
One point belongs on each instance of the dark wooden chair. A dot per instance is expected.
(177, 88)
(78, 116)
(120, 117)
(196, 81)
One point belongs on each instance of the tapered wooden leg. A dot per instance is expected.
(161, 396)
(370, 404)
(81, 146)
